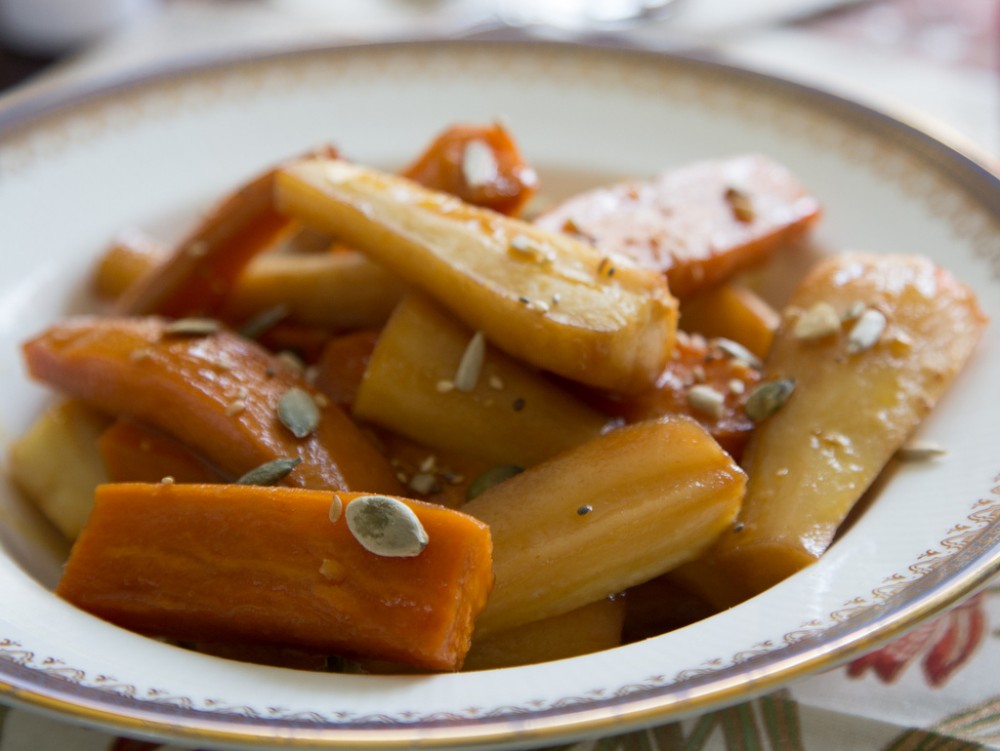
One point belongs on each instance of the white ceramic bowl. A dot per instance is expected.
(150, 152)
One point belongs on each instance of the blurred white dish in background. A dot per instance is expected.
(51, 27)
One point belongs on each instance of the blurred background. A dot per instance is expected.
(937, 58)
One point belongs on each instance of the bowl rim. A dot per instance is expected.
(20, 685)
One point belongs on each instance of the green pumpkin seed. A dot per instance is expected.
(269, 473)
(768, 398)
(192, 327)
(298, 412)
(386, 527)
(264, 321)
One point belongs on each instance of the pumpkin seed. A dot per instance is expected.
(768, 398)
(467, 375)
(479, 164)
(386, 527)
(866, 331)
(738, 352)
(489, 478)
(919, 451)
(336, 509)
(269, 473)
(192, 327)
(298, 412)
(264, 321)
(740, 204)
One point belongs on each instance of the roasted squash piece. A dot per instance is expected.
(218, 393)
(706, 380)
(544, 297)
(481, 164)
(698, 224)
(256, 565)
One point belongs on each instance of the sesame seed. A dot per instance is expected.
(819, 321)
(706, 400)
(168, 480)
(584, 510)
(444, 386)
(235, 408)
(496, 382)
(736, 386)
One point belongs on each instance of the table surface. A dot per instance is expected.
(934, 59)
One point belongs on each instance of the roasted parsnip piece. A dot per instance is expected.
(697, 224)
(544, 297)
(602, 517)
(57, 465)
(582, 631)
(216, 392)
(337, 290)
(861, 386)
(734, 312)
(509, 414)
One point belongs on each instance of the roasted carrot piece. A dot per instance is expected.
(199, 274)
(705, 380)
(136, 453)
(698, 224)
(265, 565)
(216, 393)
(305, 342)
(481, 164)
(343, 364)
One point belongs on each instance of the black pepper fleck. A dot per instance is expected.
(518, 405)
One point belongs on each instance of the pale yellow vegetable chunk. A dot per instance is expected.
(339, 289)
(543, 297)
(57, 465)
(600, 518)
(582, 631)
(510, 415)
(860, 391)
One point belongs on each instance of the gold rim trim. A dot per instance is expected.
(618, 715)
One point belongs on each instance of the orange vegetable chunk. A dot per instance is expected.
(265, 565)
(481, 164)
(699, 224)
(217, 394)
(135, 453)
(734, 312)
(198, 275)
(697, 368)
